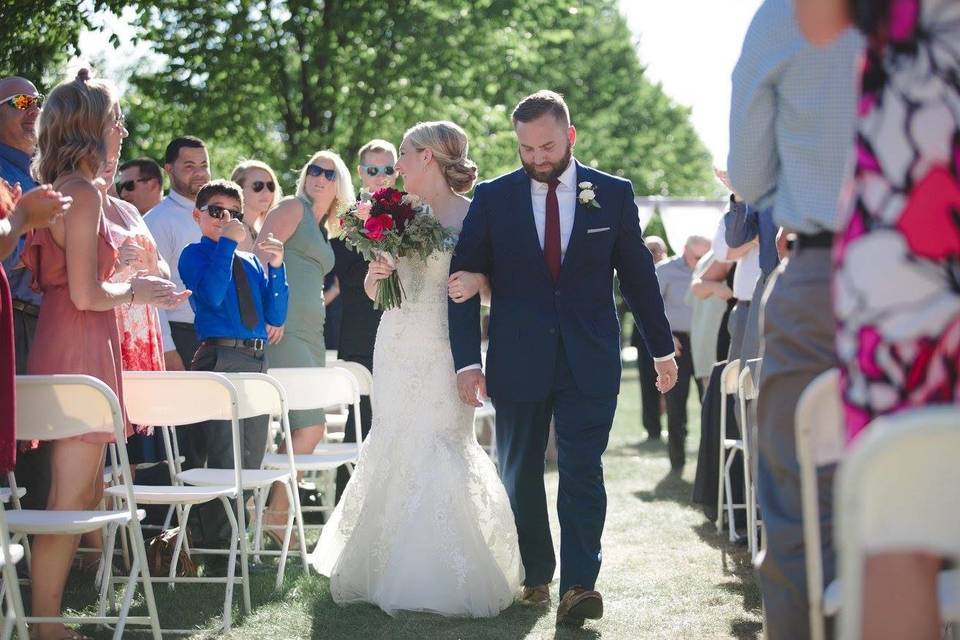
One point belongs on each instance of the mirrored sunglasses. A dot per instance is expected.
(316, 170)
(374, 170)
(216, 211)
(23, 102)
(258, 186)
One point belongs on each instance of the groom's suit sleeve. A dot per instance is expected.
(473, 253)
(638, 280)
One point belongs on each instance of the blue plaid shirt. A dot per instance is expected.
(15, 167)
(792, 120)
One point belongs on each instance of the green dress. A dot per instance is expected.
(308, 257)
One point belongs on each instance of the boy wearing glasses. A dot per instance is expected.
(234, 297)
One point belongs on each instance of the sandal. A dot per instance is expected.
(276, 535)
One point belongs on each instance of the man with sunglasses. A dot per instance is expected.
(140, 182)
(19, 109)
(235, 297)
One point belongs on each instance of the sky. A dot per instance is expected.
(690, 46)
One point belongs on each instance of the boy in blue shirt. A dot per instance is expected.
(234, 298)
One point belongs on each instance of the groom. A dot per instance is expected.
(549, 237)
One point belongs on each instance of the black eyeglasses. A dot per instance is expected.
(316, 170)
(128, 185)
(258, 186)
(23, 102)
(374, 170)
(216, 211)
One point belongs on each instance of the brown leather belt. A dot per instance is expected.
(27, 308)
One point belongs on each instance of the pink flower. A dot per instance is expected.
(928, 221)
(363, 209)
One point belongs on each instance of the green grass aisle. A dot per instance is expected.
(666, 572)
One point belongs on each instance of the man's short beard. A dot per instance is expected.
(555, 172)
(184, 188)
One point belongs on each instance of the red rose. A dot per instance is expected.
(375, 226)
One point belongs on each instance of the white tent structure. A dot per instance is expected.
(682, 217)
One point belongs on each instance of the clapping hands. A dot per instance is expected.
(40, 207)
(156, 291)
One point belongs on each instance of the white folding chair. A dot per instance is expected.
(317, 388)
(62, 406)
(337, 422)
(729, 385)
(10, 555)
(261, 394)
(897, 491)
(820, 439)
(747, 390)
(179, 399)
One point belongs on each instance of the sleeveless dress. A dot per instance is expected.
(141, 348)
(424, 523)
(308, 257)
(69, 340)
(897, 262)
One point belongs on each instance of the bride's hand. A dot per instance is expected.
(379, 269)
(463, 285)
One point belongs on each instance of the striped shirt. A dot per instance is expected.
(792, 120)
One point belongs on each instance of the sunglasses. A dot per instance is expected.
(376, 169)
(216, 211)
(130, 184)
(316, 170)
(23, 102)
(271, 186)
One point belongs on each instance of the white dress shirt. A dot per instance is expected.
(173, 227)
(566, 198)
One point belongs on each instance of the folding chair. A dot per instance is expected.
(178, 399)
(747, 390)
(337, 422)
(10, 555)
(820, 442)
(62, 406)
(729, 384)
(317, 388)
(897, 491)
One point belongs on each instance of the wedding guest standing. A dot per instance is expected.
(81, 126)
(358, 327)
(140, 182)
(791, 122)
(261, 193)
(304, 224)
(171, 222)
(895, 259)
(651, 402)
(141, 347)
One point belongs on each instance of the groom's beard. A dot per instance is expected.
(555, 171)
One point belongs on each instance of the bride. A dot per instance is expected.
(424, 524)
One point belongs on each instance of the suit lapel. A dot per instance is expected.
(579, 223)
(528, 226)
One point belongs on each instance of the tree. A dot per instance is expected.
(279, 79)
(39, 37)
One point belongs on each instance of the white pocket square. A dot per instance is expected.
(598, 229)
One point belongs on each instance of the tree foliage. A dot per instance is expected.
(279, 79)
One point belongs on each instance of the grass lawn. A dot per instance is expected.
(666, 572)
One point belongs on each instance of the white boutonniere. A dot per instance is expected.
(588, 195)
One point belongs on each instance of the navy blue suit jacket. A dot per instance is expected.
(529, 314)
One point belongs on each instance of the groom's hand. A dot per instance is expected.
(666, 374)
(472, 387)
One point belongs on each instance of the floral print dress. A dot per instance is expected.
(897, 258)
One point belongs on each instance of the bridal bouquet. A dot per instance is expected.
(391, 224)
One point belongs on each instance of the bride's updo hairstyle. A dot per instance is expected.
(449, 145)
(72, 126)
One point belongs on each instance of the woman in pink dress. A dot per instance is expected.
(80, 127)
(896, 291)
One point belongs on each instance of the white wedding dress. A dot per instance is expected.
(425, 523)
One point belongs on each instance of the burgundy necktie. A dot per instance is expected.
(551, 232)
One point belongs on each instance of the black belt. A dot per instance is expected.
(822, 240)
(27, 308)
(251, 344)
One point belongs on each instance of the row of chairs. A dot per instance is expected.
(61, 406)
